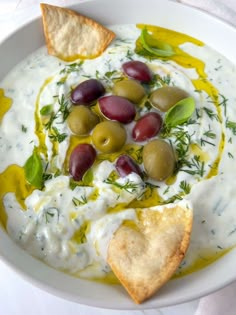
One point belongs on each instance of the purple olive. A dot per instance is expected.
(137, 70)
(81, 159)
(87, 92)
(125, 165)
(117, 108)
(147, 127)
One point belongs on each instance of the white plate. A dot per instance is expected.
(158, 12)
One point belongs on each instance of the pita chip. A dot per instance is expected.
(70, 35)
(145, 257)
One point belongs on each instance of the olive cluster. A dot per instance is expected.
(118, 109)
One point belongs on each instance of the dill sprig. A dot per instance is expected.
(211, 114)
(73, 67)
(185, 187)
(64, 111)
(129, 186)
(64, 108)
(196, 166)
(223, 103)
(231, 125)
(50, 213)
(57, 136)
(78, 202)
(208, 134)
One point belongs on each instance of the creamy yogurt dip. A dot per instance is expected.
(69, 226)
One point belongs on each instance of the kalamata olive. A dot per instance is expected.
(87, 92)
(125, 165)
(137, 70)
(82, 120)
(166, 97)
(130, 89)
(109, 136)
(117, 108)
(158, 159)
(147, 127)
(81, 159)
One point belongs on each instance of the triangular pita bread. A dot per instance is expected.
(70, 35)
(145, 258)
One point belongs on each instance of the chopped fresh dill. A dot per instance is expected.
(57, 136)
(109, 77)
(210, 113)
(64, 108)
(223, 103)
(148, 105)
(73, 67)
(158, 81)
(231, 125)
(173, 199)
(185, 187)
(129, 186)
(78, 202)
(23, 128)
(61, 81)
(136, 154)
(230, 155)
(166, 190)
(198, 113)
(53, 116)
(208, 134)
(50, 213)
(47, 176)
(204, 141)
(129, 55)
(196, 167)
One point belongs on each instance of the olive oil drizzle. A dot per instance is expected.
(204, 259)
(39, 127)
(5, 104)
(13, 181)
(187, 61)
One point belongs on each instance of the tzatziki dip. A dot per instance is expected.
(65, 215)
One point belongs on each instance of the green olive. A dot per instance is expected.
(158, 159)
(166, 97)
(109, 136)
(129, 89)
(82, 120)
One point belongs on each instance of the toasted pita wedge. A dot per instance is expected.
(70, 35)
(145, 257)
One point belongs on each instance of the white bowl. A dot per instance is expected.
(171, 15)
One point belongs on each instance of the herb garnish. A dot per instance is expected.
(50, 213)
(78, 202)
(63, 110)
(23, 128)
(155, 46)
(46, 110)
(129, 186)
(34, 170)
(231, 125)
(210, 113)
(73, 67)
(56, 136)
(180, 112)
(185, 187)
